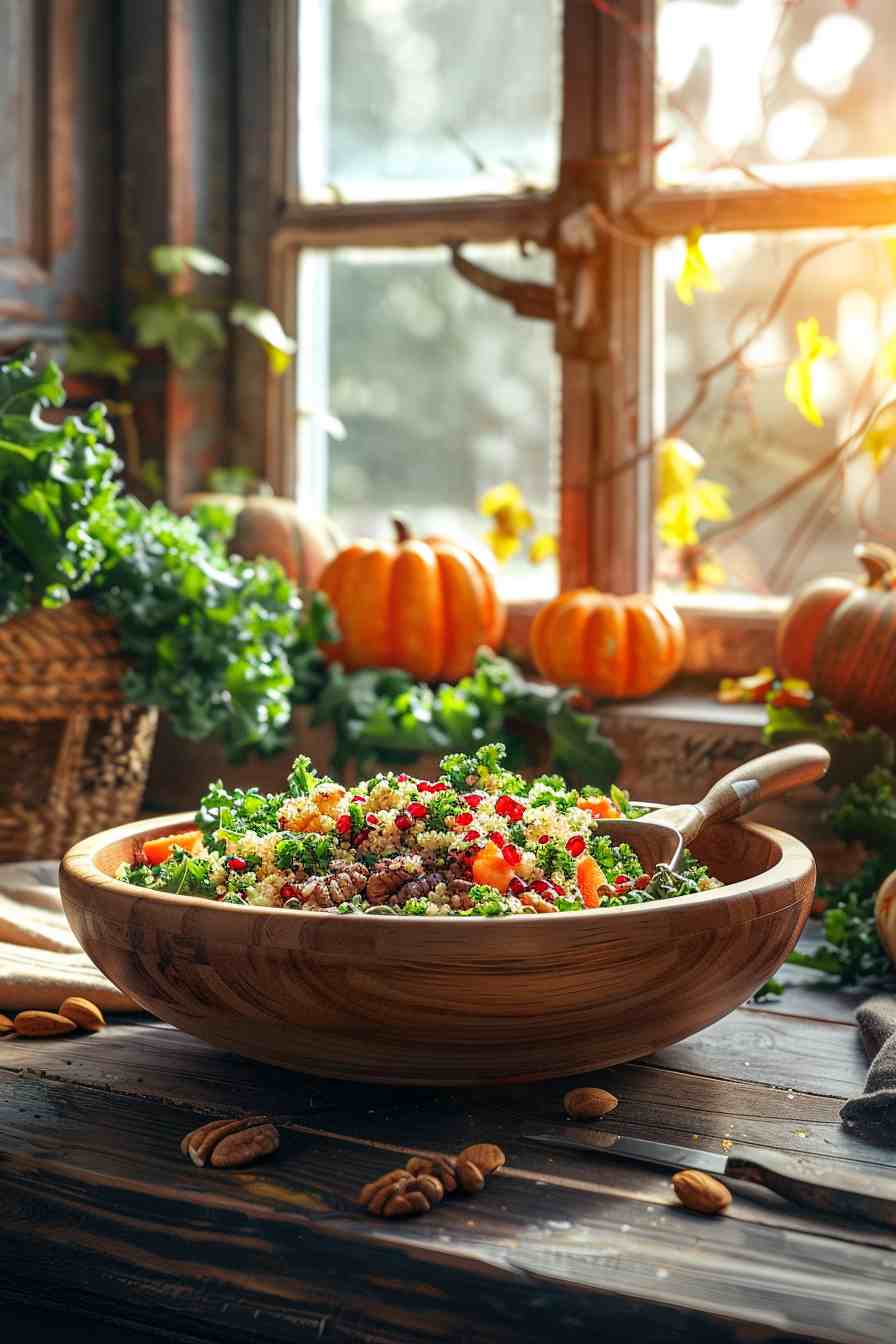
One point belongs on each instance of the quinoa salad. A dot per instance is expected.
(478, 841)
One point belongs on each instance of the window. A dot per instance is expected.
(566, 152)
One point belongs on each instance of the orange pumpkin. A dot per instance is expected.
(278, 529)
(885, 916)
(854, 658)
(619, 647)
(425, 606)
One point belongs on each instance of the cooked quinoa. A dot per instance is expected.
(479, 840)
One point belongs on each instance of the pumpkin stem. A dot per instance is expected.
(878, 561)
(403, 530)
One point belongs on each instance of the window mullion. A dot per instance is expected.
(606, 358)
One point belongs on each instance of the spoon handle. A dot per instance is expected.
(744, 788)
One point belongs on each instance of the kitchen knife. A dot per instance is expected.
(826, 1186)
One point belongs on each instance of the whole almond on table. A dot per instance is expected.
(35, 1023)
(701, 1193)
(470, 1176)
(231, 1143)
(6, 1025)
(589, 1103)
(84, 1013)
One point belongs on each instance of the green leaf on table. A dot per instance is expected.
(266, 326)
(100, 353)
(174, 259)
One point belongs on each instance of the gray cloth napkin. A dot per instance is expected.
(875, 1109)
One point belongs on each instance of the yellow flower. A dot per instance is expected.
(684, 497)
(542, 548)
(798, 383)
(696, 272)
(880, 440)
(505, 505)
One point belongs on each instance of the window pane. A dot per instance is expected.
(442, 390)
(752, 438)
(427, 97)
(796, 92)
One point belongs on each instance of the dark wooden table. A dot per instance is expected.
(109, 1234)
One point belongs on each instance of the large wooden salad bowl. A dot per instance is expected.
(442, 1000)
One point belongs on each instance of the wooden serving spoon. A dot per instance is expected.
(661, 836)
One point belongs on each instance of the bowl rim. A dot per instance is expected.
(796, 862)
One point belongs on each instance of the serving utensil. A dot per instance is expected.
(825, 1186)
(660, 838)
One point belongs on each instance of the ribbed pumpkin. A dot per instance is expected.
(277, 528)
(854, 660)
(616, 647)
(885, 915)
(425, 606)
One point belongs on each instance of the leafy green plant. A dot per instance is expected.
(177, 322)
(224, 645)
(384, 715)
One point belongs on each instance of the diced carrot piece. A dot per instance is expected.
(590, 879)
(491, 869)
(599, 807)
(158, 850)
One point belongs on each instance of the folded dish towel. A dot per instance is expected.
(41, 962)
(875, 1109)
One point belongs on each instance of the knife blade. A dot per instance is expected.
(828, 1187)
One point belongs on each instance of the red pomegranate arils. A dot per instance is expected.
(576, 845)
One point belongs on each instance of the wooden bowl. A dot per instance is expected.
(441, 1000)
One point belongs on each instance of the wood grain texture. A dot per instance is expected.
(443, 1001)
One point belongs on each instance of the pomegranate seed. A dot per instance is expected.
(622, 881)
(344, 824)
(237, 865)
(511, 855)
(462, 819)
(372, 819)
(438, 787)
(516, 886)
(358, 798)
(404, 822)
(473, 835)
(558, 889)
(642, 882)
(362, 835)
(288, 892)
(417, 811)
(496, 837)
(544, 839)
(403, 779)
(540, 885)
(424, 786)
(473, 799)
(575, 845)
(505, 805)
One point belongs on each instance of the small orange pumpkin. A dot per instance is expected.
(616, 647)
(277, 528)
(885, 915)
(855, 656)
(425, 606)
(801, 626)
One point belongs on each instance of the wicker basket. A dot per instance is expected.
(73, 756)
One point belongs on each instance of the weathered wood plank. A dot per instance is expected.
(98, 1194)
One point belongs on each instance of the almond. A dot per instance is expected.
(84, 1013)
(589, 1103)
(701, 1193)
(6, 1025)
(34, 1023)
(469, 1176)
(486, 1156)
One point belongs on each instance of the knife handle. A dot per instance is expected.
(818, 1185)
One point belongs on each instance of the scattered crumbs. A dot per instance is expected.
(727, 1143)
(801, 1133)
(662, 1273)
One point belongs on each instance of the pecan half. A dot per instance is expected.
(400, 1193)
(231, 1143)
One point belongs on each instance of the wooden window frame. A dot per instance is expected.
(606, 528)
